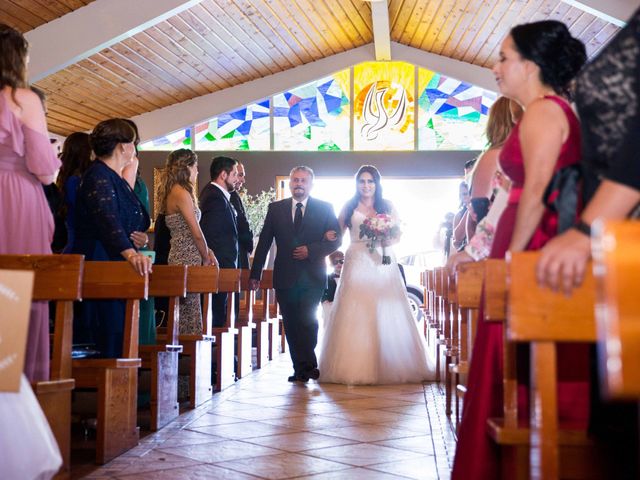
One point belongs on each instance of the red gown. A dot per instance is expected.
(477, 456)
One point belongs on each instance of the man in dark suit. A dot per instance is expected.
(245, 235)
(299, 225)
(219, 226)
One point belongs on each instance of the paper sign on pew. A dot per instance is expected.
(16, 289)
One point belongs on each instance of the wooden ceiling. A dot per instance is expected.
(222, 43)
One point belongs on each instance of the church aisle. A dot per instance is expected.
(265, 427)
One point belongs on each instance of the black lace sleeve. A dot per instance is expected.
(101, 202)
(607, 101)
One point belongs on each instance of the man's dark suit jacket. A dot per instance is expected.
(245, 235)
(218, 225)
(332, 285)
(311, 272)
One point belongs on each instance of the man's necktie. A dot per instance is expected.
(297, 219)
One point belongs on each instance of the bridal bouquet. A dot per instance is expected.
(380, 228)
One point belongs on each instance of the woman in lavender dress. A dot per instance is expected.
(27, 162)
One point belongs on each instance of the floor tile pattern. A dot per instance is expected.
(266, 428)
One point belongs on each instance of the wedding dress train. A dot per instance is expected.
(371, 337)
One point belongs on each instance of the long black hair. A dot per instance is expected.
(379, 204)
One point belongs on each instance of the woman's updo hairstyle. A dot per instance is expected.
(550, 45)
(108, 134)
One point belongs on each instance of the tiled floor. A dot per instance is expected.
(265, 427)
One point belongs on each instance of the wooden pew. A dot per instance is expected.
(617, 267)
(438, 307)
(468, 284)
(57, 278)
(245, 326)
(452, 340)
(430, 303)
(162, 359)
(266, 323)
(198, 347)
(228, 282)
(542, 318)
(116, 379)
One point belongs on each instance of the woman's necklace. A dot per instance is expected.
(366, 210)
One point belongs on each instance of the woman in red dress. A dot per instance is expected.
(537, 62)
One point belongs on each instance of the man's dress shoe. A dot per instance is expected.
(314, 374)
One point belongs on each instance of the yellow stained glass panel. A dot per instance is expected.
(384, 106)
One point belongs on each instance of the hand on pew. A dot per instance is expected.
(563, 261)
(140, 262)
(254, 284)
(211, 259)
(455, 260)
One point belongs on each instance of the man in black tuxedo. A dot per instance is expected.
(299, 225)
(219, 226)
(245, 235)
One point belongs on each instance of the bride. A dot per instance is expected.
(371, 336)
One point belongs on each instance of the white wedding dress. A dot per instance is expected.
(371, 337)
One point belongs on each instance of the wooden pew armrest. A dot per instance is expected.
(52, 386)
(106, 363)
(150, 349)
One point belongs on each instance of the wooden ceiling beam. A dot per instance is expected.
(449, 67)
(90, 29)
(381, 31)
(613, 11)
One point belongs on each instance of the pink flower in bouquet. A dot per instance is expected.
(380, 228)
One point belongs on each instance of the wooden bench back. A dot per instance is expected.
(495, 290)
(263, 297)
(544, 318)
(247, 299)
(118, 281)
(170, 281)
(201, 279)
(539, 314)
(617, 266)
(469, 278)
(57, 278)
(229, 281)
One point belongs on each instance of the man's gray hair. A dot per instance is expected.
(302, 168)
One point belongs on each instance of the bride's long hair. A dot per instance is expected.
(379, 204)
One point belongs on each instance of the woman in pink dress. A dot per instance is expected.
(27, 162)
(537, 63)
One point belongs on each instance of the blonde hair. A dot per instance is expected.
(499, 123)
(176, 172)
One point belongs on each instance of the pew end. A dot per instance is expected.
(57, 278)
(162, 359)
(115, 379)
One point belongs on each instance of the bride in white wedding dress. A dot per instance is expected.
(371, 337)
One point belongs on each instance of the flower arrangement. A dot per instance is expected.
(256, 207)
(380, 228)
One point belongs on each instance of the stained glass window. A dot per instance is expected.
(383, 106)
(244, 129)
(452, 114)
(314, 116)
(173, 141)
